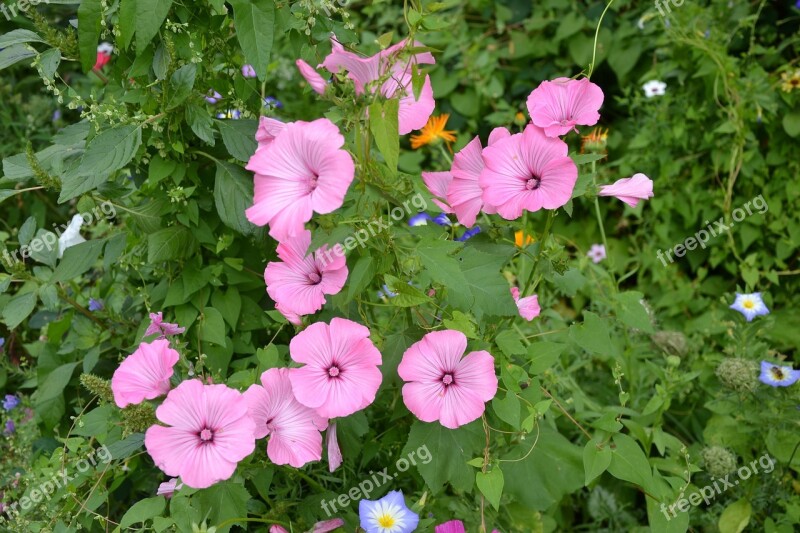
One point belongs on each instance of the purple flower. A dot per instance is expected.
(56, 115)
(213, 97)
(778, 376)
(157, 325)
(468, 234)
(10, 402)
(10, 427)
(2, 343)
(248, 71)
(95, 305)
(420, 219)
(597, 253)
(750, 305)
(387, 515)
(442, 220)
(269, 101)
(386, 292)
(233, 114)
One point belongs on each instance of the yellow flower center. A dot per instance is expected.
(386, 521)
(748, 304)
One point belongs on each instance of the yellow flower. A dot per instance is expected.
(790, 81)
(432, 131)
(595, 141)
(518, 239)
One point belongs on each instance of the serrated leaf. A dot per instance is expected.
(181, 84)
(254, 21)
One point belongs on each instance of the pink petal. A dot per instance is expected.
(334, 453)
(145, 374)
(437, 183)
(313, 78)
(465, 193)
(453, 526)
(558, 106)
(629, 190)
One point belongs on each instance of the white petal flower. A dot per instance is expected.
(654, 88)
(71, 235)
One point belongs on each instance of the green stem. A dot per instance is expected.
(445, 154)
(596, 34)
(602, 228)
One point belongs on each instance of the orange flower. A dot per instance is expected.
(595, 141)
(432, 131)
(518, 239)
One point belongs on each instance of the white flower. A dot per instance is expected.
(105, 48)
(654, 88)
(71, 235)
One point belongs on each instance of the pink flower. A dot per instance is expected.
(629, 190)
(144, 374)
(293, 318)
(299, 283)
(527, 171)
(341, 373)
(277, 529)
(559, 105)
(413, 113)
(313, 78)
(157, 325)
(104, 51)
(327, 525)
(453, 526)
(443, 386)
(248, 71)
(465, 193)
(597, 253)
(268, 130)
(168, 488)
(303, 170)
(334, 453)
(528, 306)
(209, 433)
(293, 429)
(438, 184)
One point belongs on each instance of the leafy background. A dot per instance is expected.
(609, 400)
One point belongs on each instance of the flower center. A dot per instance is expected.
(533, 183)
(312, 183)
(447, 379)
(333, 371)
(270, 425)
(314, 277)
(748, 304)
(777, 373)
(385, 520)
(207, 435)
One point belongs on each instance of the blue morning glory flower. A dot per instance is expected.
(386, 292)
(270, 101)
(213, 97)
(442, 220)
(387, 515)
(778, 376)
(10, 402)
(750, 305)
(468, 234)
(233, 114)
(420, 219)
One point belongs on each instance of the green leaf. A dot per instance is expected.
(791, 123)
(19, 36)
(14, 54)
(127, 23)
(592, 335)
(77, 260)
(508, 409)
(450, 450)
(407, 296)
(181, 82)
(90, 18)
(229, 304)
(175, 242)
(222, 502)
(509, 343)
(50, 60)
(200, 121)
(212, 326)
(143, 510)
(595, 460)
(53, 385)
(735, 517)
(543, 355)
(254, 21)
(629, 463)
(233, 194)
(360, 277)
(18, 309)
(549, 468)
(491, 485)
(125, 448)
(8, 193)
(383, 125)
(631, 312)
(239, 137)
(464, 323)
(150, 15)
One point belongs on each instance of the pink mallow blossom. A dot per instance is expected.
(300, 282)
(144, 375)
(317, 82)
(293, 429)
(340, 374)
(303, 170)
(629, 190)
(158, 326)
(442, 383)
(559, 105)
(528, 306)
(209, 432)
